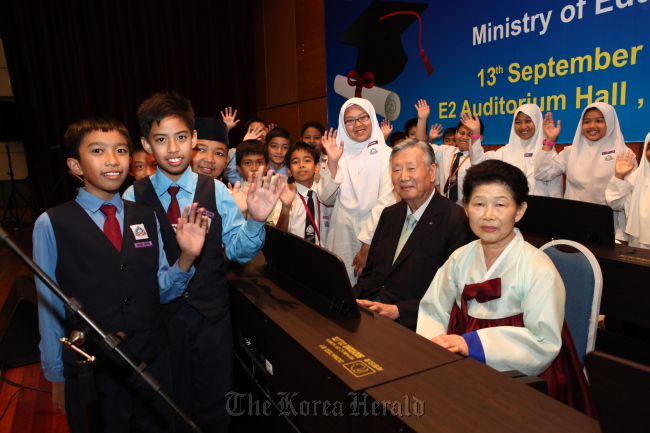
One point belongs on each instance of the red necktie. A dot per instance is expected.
(112, 226)
(173, 211)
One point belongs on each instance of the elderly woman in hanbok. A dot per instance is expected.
(499, 299)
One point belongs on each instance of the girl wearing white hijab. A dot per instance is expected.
(366, 189)
(632, 194)
(590, 161)
(525, 142)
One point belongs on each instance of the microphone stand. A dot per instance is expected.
(11, 207)
(110, 341)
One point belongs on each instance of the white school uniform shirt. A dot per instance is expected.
(365, 191)
(530, 284)
(589, 165)
(323, 161)
(631, 195)
(323, 166)
(522, 154)
(444, 158)
(325, 191)
(322, 213)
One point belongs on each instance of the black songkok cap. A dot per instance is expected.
(209, 128)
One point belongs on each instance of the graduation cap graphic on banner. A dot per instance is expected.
(377, 33)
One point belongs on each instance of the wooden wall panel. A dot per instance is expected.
(260, 63)
(316, 109)
(290, 61)
(286, 116)
(310, 49)
(280, 52)
(264, 115)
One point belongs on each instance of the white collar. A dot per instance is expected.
(418, 213)
(303, 190)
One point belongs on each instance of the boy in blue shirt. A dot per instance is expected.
(198, 322)
(108, 254)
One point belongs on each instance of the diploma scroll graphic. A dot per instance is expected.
(386, 103)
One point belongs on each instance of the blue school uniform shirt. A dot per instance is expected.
(243, 239)
(51, 312)
(230, 173)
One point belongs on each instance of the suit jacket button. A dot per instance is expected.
(127, 301)
(186, 294)
(130, 335)
(123, 267)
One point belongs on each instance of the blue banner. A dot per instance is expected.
(489, 57)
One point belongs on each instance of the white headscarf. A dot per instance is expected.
(513, 152)
(362, 163)
(638, 216)
(585, 171)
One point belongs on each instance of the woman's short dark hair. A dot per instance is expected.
(495, 171)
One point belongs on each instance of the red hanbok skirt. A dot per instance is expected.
(565, 378)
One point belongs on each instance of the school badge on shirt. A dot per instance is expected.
(139, 232)
(609, 156)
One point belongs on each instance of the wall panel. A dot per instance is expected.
(310, 49)
(280, 53)
(290, 62)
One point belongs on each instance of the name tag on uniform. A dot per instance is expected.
(608, 152)
(209, 216)
(527, 155)
(208, 213)
(143, 244)
(139, 232)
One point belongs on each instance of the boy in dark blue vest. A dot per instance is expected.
(108, 254)
(198, 322)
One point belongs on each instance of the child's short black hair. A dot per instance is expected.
(161, 105)
(449, 131)
(251, 147)
(396, 137)
(312, 124)
(461, 124)
(410, 124)
(301, 145)
(279, 132)
(137, 147)
(254, 120)
(78, 130)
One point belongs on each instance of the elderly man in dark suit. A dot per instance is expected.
(413, 238)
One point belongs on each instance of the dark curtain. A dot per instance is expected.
(71, 59)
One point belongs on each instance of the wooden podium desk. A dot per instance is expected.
(468, 396)
(317, 366)
(319, 356)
